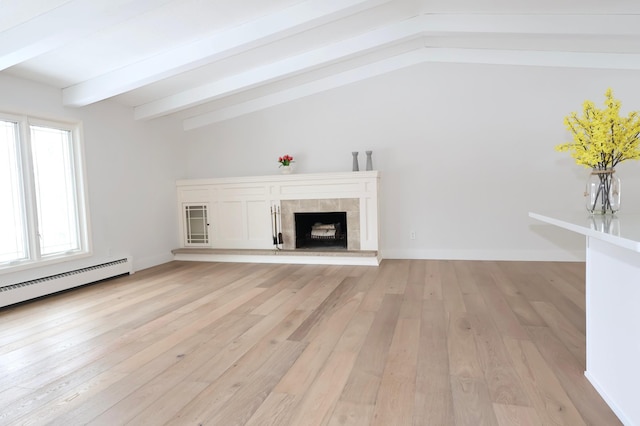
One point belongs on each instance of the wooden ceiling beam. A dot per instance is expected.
(415, 57)
(289, 21)
(326, 55)
(423, 25)
(73, 20)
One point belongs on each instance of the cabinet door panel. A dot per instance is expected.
(196, 224)
(258, 221)
(231, 226)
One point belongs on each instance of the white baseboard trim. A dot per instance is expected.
(614, 407)
(516, 255)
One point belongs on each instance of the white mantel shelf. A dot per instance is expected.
(612, 293)
(293, 177)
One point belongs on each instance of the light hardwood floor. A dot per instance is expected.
(412, 342)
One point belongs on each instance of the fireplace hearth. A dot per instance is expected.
(321, 230)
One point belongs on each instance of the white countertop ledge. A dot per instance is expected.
(621, 229)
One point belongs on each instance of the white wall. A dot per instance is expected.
(465, 152)
(131, 172)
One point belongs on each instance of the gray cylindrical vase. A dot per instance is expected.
(369, 160)
(355, 161)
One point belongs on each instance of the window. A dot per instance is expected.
(43, 212)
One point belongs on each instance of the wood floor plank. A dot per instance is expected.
(421, 342)
(472, 403)
(412, 301)
(501, 379)
(159, 394)
(42, 410)
(571, 311)
(463, 354)
(244, 393)
(59, 321)
(272, 303)
(503, 281)
(548, 397)
(576, 296)
(354, 335)
(324, 309)
(573, 339)
(351, 414)
(417, 272)
(495, 303)
(397, 280)
(62, 337)
(524, 276)
(262, 336)
(300, 376)
(162, 409)
(259, 384)
(74, 305)
(523, 310)
(433, 404)
(275, 410)
(395, 399)
(573, 272)
(318, 402)
(192, 353)
(362, 385)
(378, 289)
(515, 415)
(103, 357)
(432, 280)
(112, 395)
(451, 293)
(570, 373)
(465, 277)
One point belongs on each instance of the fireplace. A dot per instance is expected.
(350, 226)
(321, 230)
(241, 225)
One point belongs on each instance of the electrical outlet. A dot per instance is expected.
(412, 235)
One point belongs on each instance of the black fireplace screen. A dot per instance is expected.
(321, 230)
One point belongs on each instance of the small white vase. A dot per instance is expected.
(287, 170)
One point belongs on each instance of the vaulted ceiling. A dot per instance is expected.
(211, 60)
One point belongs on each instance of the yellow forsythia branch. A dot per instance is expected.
(601, 138)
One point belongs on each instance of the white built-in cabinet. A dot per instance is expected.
(235, 213)
(236, 217)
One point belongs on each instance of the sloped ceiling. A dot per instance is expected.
(211, 60)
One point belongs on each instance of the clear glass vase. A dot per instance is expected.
(602, 192)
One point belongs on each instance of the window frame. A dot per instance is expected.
(34, 257)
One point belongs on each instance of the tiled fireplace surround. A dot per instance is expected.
(349, 205)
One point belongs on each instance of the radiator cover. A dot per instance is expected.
(26, 290)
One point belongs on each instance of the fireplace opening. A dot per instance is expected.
(321, 230)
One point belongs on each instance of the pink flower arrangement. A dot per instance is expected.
(285, 160)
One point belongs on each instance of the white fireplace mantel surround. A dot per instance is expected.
(241, 226)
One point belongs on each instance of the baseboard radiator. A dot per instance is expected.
(27, 290)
